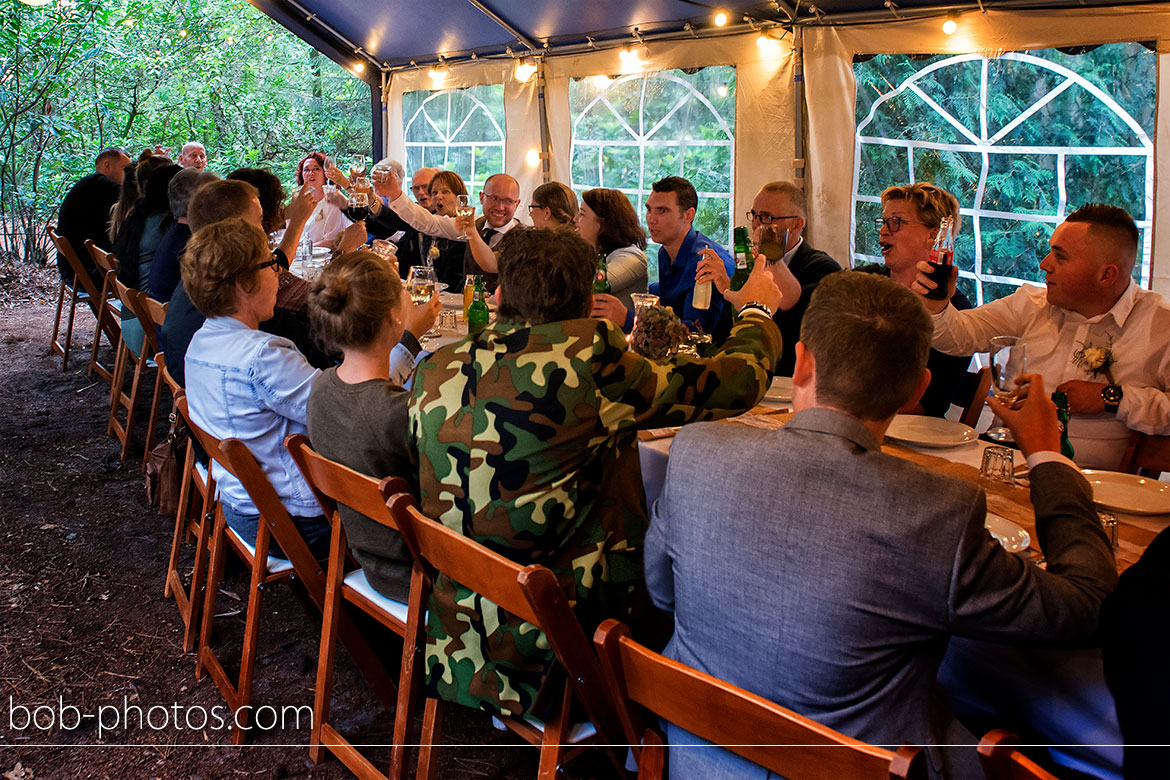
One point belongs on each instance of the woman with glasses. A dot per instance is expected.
(608, 222)
(553, 205)
(243, 382)
(910, 218)
(326, 221)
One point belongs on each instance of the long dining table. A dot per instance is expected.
(1060, 695)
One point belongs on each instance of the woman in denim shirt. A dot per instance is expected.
(243, 382)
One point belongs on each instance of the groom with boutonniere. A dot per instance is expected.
(1093, 333)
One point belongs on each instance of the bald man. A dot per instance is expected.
(420, 186)
(193, 155)
(1092, 333)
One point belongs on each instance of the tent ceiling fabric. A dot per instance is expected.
(395, 33)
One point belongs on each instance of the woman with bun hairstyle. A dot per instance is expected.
(357, 414)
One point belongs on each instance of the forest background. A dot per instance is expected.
(80, 75)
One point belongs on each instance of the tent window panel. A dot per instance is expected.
(1021, 140)
(630, 131)
(460, 130)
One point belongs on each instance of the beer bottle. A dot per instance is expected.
(942, 257)
(1061, 401)
(601, 280)
(744, 260)
(477, 312)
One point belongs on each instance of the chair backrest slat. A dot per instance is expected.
(335, 484)
(462, 558)
(65, 248)
(749, 725)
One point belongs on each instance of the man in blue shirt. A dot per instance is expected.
(670, 212)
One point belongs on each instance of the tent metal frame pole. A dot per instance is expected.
(489, 13)
(798, 162)
(545, 140)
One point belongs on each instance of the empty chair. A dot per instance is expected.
(136, 346)
(972, 395)
(1146, 454)
(532, 594)
(778, 739)
(1001, 760)
(153, 314)
(334, 483)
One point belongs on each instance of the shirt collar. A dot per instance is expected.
(791, 253)
(684, 248)
(1119, 312)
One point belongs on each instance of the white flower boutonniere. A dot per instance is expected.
(1093, 359)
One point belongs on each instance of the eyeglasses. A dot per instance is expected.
(500, 201)
(767, 219)
(894, 224)
(533, 207)
(271, 263)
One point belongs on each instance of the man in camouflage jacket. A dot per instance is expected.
(527, 439)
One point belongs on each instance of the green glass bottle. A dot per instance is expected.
(744, 260)
(601, 280)
(1061, 401)
(477, 312)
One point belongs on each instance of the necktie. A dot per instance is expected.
(488, 233)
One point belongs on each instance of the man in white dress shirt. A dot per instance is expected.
(1093, 333)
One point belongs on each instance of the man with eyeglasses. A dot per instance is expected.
(499, 198)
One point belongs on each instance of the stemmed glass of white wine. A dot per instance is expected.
(464, 209)
(422, 284)
(1008, 360)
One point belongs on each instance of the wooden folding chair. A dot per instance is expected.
(640, 680)
(532, 594)
(275, 522)
(1001, 760)
(154, 313)
(140, 355)
(1146, 454)
(82, 289)
(109, 309)
(196, 524)
(333, 483)
(972, 393)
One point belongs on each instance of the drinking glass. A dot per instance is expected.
(359, 204)
(463, 208)
(357, 168)
(423, 284)
(1008, 359)
(386, 250)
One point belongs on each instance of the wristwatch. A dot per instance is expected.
(1111, 394)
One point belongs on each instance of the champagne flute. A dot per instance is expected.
(464, 209)
(1008, 358)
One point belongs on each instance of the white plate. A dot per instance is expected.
(1128, 492)
(1008, 534)
(930, 431)
(321, 252)
(781, 389)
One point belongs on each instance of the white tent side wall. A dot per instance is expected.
(828, 66)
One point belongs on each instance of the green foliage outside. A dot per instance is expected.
(460, 130)
(632, 131)
(79, 76)
(1022, 182)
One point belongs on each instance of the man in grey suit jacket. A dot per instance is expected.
(807, 566)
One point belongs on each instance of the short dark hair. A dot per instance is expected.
(1112, 219)
(683, 190)
(546, 275)
(109, 153)
(791, 191)
(269, 190)
(218, 201)
(619, 223)
(183, 187)
(870, 338)
(558, 198)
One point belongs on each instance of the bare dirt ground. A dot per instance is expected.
(84, 623)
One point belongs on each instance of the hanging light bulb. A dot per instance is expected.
(601, 81)
(950, 25)
(438, 73)
(525, 69)
(721, 19)
(768, 45)
(533, 158)
(359, 66)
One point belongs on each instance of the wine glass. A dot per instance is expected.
(463, 208)
(1008, 357)
(357, 168)
(422, 284)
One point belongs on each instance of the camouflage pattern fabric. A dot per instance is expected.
(527, 440)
